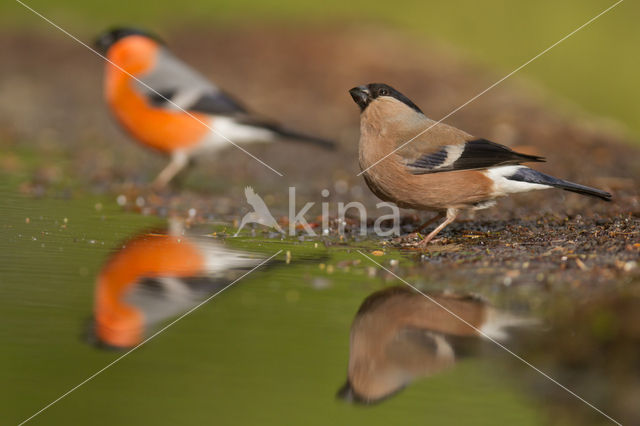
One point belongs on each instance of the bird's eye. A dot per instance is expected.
(383, 92)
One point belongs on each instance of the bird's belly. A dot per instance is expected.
(436, 191)
(157, 128)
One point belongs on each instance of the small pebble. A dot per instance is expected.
(341, 186)
(320, 283)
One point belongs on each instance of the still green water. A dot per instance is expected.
(271, 349)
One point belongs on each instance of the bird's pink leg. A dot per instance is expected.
(451, 216)
(178, 161)
(438, 216)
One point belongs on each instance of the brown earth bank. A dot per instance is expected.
(52, 102)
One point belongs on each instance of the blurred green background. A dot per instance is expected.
(299, 350)
(595, 69)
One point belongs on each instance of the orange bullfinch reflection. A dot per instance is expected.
(157, 276)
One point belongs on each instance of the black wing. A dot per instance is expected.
(214, 103)
(161, 99)
(476, 154)
(218, 103)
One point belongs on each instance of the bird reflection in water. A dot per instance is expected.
(157, 276)
(399, 335)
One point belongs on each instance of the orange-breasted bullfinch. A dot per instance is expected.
(399, 335)
(158, 276)
(442, 168)
(151, 107)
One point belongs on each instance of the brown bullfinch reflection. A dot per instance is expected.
(156, 277)
(149, 117)
(399, 335)
(442, 169)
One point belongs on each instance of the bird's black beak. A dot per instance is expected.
(346, 393)
(361, 96)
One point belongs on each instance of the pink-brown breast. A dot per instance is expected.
(390, 179)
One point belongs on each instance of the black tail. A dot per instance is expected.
(526, 174)
(291, 134)
(286, 133)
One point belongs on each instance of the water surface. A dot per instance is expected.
(272, 348)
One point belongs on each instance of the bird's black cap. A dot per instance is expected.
(364, 95)
(109, 37)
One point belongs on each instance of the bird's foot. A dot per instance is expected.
(158, 185)
(425, 242)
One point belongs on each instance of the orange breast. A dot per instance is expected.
(149, 256)
(155, 127)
